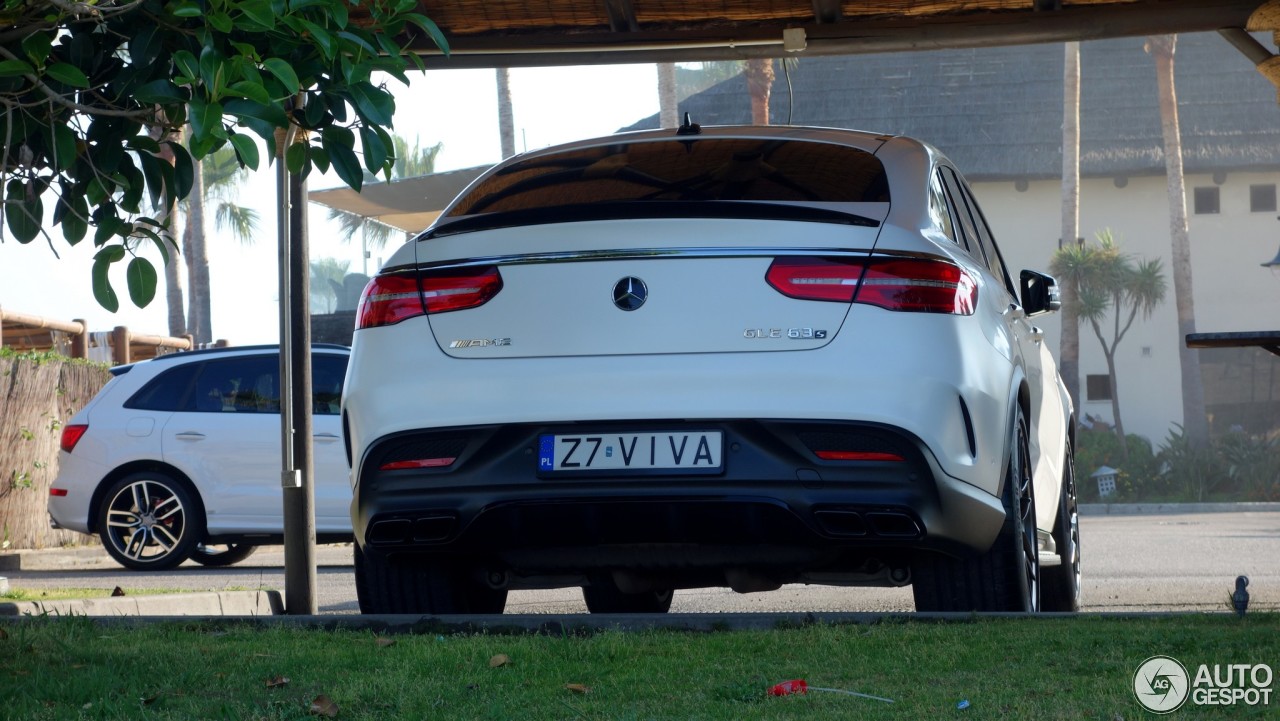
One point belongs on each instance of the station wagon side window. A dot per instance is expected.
(168, 391)
(963, 219)
(327, 375)
(249, 384)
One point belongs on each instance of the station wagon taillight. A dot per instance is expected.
(923, 285)
(71, 435)
(389, 299)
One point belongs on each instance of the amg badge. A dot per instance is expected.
(480, 342)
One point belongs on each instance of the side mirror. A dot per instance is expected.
(1040, 293)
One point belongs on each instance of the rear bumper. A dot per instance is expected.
(773, 503)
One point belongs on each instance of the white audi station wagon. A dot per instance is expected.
(730, 356)
(178, 457)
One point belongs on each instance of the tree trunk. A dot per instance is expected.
(506, 115)
(1115, 405)
(1069, 345)
(1194, 420)
(668, 101)
(759, 85)
(194, 245)
(173, 265)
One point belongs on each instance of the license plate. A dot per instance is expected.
(685, 451)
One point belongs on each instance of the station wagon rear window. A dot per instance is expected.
(683, 169)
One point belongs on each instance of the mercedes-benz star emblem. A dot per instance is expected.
(630, 293)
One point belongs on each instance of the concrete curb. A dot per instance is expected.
(212, 603)
(53, 559)
(1173, 509)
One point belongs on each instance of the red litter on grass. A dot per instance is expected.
(786, 688)
(800, 686)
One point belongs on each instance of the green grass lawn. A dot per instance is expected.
(1080, 668)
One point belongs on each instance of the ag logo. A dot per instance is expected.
(1161, 684)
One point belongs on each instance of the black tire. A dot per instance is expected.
(1007, 576)
(604, 596)
(149, 521)
(220, 555)
(1061, 589)
(422, 586)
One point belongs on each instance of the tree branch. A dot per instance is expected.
(140, 115)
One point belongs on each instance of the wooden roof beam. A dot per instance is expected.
(622, 16)
(827, 11)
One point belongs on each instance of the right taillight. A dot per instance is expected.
(71, 435)
(389, 299)
(922, 285)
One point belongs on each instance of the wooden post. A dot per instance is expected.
(80, 341)
(120, 345)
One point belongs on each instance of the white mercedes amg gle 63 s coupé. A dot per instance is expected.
(740, 356)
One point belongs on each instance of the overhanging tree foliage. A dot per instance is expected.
(93, 94)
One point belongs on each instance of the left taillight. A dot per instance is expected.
(923, 285)
(389, 299)
(71, 435)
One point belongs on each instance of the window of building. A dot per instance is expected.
(1206, 201)
(1262, 198)
(1097, 387)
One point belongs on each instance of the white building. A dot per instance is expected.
(997, 112)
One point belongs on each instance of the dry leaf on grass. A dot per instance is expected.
(148, 700)
(383, 642)
(117, 591)
(4, 635)
(277, 681)
(578, 688)
(324, 706)
(501, 659)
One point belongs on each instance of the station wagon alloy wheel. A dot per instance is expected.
(147, 522)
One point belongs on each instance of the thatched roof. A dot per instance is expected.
(997, 112)
(510, 33)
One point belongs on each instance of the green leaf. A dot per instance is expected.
(24, 214)
(184, 173)
(315, 110)
(212, 71)
(37, 46)
(322, 38)
(319, 157)
(143, 47)
(160, 92)
(246, 150)
(373, 104)
(154, 178)
(259, 11)
(69, 74)
(143, 142)
(375, 153)
(338, 14)
(296, 157)
(188, 66)
(251, 90)
(283, 72)
(206, 120)
(345, 162)
(142, 277)
(270, 112)
(73, 213)
(186, 10)
(430, 27)
(64, 147)
(356, 39)
(15, 68)
(220, 22)
(102, 290)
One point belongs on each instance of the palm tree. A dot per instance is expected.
(1069, 347)
(410, 162)
(506, 115)
(1194, 420)
(668, 100)
(217, 178)
(172, 266)
(1107, 281)
(326, 280)
(760, 85)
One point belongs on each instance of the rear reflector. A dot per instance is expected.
(71, 436)
(858, 456)
(389, 299)
(417, 463)
(59, 492)
(925, 285)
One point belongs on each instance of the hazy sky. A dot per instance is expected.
(456, 107)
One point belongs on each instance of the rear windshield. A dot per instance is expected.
(685, 169)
